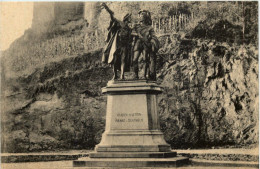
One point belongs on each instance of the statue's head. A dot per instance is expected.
(145, 17)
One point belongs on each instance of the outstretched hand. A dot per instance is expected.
(103, 5)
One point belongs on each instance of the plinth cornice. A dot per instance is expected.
(132, 87)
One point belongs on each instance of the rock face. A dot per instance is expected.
(52, 89)
(211, 96)
(43, 16)
(206, 103)
(53, 111)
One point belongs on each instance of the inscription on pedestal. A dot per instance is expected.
(130, 113)
(129, 117)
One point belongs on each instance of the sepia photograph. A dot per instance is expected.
(129, 84)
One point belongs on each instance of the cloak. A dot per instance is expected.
(111, 40)
(114, 47)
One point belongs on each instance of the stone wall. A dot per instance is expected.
(43, 16)
(68, 11)
(47, 14)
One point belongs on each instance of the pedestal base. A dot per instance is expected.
(132, 123)
(133, 148)
(132, 137)
(130, 162)
(132, 154)
(133, 141)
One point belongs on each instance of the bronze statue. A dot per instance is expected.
(118, 47)
(147, 43)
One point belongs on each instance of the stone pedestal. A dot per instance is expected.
(132, 128)
(132, 120)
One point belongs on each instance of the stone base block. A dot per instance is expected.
(132, 155)
(133, 141)
(133, 148)
(130, 162)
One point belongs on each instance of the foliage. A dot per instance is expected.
(229, 33)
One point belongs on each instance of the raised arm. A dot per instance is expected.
(108, 10)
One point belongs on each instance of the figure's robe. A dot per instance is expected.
(118, 45)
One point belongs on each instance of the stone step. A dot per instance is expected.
(133, 148)
(132, 154)
(131, 162)
(215, 163)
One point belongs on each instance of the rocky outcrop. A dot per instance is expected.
(211, 96)
(210, 99)
(54, 109)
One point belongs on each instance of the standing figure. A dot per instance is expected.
(147, 43)
(118, 47)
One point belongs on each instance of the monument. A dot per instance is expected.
(132, 136)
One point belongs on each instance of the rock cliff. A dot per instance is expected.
(211, 96)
